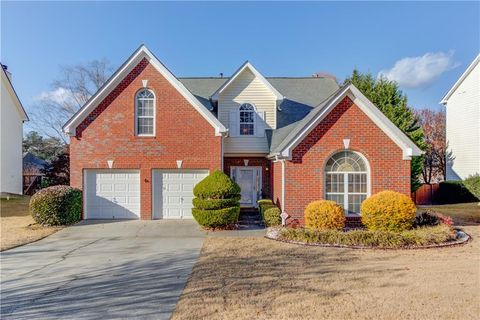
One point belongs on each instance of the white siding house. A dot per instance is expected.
(12, 116)
(463, 123)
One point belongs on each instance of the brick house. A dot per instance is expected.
(142, 142)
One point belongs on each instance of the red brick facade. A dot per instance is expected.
(304, 174)
(108, 134)
(253, 162)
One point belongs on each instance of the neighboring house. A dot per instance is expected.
(142, 142)
(33, 168)
(11, 136)
(463, 123)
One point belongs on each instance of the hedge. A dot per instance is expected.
(271, 217)
(57, 205)
(450, 192)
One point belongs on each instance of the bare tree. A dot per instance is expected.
(69, 93)
(436, 152)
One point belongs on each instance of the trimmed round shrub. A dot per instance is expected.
(216, 218)
(217, 201)
(216, 186)
(324, 215)
(271, 217)
(214, 204)
(57, 205)
(388, 211)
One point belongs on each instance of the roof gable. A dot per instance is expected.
(299, 131)
(141, 53)
(11, 90)
(460, 80)
(258, 75)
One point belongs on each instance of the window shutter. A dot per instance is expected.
(234, 128)
(260, 124)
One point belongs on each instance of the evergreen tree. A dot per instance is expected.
(386, 95)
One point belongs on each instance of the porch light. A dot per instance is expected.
(245, 162)
(110, 164)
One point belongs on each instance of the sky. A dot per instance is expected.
(424, 46)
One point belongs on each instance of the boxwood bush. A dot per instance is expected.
(57, 205)
(324, 215)
(388, 211)
(457, 191)
(216, 203)
(271, 217)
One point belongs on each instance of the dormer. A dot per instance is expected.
(247, 103)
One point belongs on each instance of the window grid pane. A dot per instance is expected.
(145, 126)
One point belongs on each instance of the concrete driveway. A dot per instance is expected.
(101, 270)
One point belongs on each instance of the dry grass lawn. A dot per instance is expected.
(17, 226)
(256, 278)
(462, 213)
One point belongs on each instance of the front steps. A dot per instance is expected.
(250, 217)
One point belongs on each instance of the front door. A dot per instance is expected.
(248, 178)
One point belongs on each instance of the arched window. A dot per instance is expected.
(346, 180)
(247, 119)
(145, 113)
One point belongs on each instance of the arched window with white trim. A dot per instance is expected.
(145, 113)
(247, 119)
(347, 180)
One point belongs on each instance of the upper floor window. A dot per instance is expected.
(145, 113)
(247, 119)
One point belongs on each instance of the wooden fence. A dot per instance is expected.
(426, 194)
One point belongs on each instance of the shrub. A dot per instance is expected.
(382, 239)
(264, 201)
(216, 218)
(214, 204)
(217, 201)
(324, 214)
(216, 186)
(271, 217)
(472, 183)
(429, 218)
(455, 192)
(57, 205)
(388, 211)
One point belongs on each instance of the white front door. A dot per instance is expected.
(112, 194)
(173, 192)
(249, 180)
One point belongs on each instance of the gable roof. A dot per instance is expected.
(13, 93)
(127, 66)
(460, 80)
(247, 65)
(286, 139)
(301, 94)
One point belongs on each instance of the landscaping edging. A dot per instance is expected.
(462, 238)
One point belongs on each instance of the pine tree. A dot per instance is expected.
(387, 96)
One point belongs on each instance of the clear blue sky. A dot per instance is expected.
(280, 39)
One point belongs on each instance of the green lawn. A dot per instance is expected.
(462, 213)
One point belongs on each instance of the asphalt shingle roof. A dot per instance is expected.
(301, 96)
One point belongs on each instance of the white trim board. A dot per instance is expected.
(119, 75)
(311, 121)
(247, 65)
(460, 80)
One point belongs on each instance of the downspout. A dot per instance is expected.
(283, 215)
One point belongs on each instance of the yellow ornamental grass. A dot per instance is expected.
(388, 211)
(324, 215)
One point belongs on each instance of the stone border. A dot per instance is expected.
(462, 238)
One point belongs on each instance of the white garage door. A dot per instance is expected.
(173, 192)
(112, 194)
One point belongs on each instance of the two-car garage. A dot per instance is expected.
(116, 194)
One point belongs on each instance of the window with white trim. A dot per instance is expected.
(247, 119)
(346, 182)
(145, 113)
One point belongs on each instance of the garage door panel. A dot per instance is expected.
(112, 195)
(173, 192)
